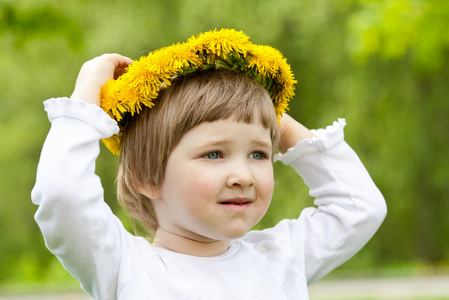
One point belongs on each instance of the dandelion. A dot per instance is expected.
(113, 143)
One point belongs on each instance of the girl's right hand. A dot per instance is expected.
(95, 73)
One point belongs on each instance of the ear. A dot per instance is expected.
(151, 192)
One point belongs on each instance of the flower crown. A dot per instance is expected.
(219, 49)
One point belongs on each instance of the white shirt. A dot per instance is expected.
(276, 263)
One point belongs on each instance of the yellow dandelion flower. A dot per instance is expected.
(113, 143)
(265, 59)
(218, 43)
(181, 56)
(110, 100)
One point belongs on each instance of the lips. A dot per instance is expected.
(237, 201)
(236, 204)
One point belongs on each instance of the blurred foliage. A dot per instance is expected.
(381, 64)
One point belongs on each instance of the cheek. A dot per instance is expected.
(197, 185)
(265, 182)
(265, 187)
(197, 194)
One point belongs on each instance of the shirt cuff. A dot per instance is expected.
(82, 111)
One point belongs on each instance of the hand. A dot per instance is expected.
(291, 132)
(95, 73)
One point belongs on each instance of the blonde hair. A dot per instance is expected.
(190, 100)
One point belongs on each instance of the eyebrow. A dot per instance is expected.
(262, 144)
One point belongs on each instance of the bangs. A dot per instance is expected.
(209, 96)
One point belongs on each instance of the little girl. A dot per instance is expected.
(198, 126)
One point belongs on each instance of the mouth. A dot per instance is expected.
(238, 204)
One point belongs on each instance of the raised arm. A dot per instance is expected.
(349, 207)
(78, 227)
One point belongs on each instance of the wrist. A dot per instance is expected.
(87, 94)
(291, 133)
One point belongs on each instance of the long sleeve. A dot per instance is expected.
(78, 227)
(350, 208)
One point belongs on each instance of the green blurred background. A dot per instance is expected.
(382, 65)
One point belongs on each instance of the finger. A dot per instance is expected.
(117, 59)
(119, 63)
(119, 71)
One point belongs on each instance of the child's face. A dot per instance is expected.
(218, 181)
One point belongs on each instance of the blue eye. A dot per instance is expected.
(257, 155)
(212, 155)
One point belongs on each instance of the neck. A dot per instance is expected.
(189, 246)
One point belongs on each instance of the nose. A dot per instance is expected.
(240, 175)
